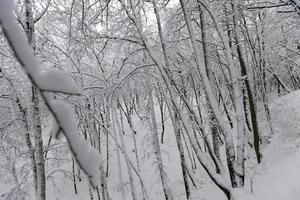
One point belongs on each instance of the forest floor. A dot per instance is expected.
(278, 175)
(276, 178)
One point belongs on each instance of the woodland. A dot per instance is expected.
(149, 99)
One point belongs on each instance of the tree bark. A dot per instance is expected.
(177, 130)
(36, 112)
(120, 130)
(155, 139)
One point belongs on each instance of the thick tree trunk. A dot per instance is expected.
(230, 152)
(38, 144)
(212, 118)
(36, 112)
(240, 171)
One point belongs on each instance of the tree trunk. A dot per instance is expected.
(177, 130)
(21, 113)
(38, 144)
(133, 134)
(74, 177)
(212, 118)
(36, 112)
(155, 139)
(120, 172)
(131, 179)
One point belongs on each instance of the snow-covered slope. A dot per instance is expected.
(278, 177)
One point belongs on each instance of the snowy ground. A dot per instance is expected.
(276, 178)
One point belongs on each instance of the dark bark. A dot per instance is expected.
(36, 110)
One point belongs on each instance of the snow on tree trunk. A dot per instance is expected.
(237, 94)
(129, 170)
(240, 171)
(213, 125)
(88, 158)
(36, 113)
(175, 118)
(22, 113)
(157, 152)
(177, 130)
(120, 172)
(133, 134)
(262, 73)
(218, 180)
(38, 145)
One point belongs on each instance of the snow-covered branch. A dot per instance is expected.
(51, 80)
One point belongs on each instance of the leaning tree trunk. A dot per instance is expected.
(177, 129)
(212, 118)
(133, 134)
(157, 151)
(120, 130)
(262, 68)
(120, 172)
(218, 179)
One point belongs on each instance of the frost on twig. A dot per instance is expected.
(51, 80)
